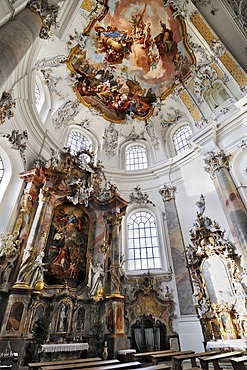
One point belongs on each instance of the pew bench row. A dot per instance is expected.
(235, 357)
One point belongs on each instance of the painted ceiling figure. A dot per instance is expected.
(164, 40)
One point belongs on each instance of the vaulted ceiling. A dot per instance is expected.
(125, 70)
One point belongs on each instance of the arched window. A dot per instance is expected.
(37, 94)
(180, 138)
(76, 142)
(143, 245)
(1, 169)
(135, 158)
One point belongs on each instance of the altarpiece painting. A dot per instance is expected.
(67, 244)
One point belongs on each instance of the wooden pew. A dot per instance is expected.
(140, 355)
(81, 365)
(214, 359)
(157, 367)
(238, 362)
(177, 360)
(162, 356)
(121, 366)
(97, 366)
(34, 365)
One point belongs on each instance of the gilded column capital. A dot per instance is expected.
(48, 14)
(215, 161)
(167, 192)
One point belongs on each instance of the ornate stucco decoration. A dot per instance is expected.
(48, 14)
(8, 254)
(8, 246)
(207, 239)
(206, 3)
(110, 140)
(168, 192)
(82, 193)
(217, 48)
(243, 144)
(149, 126)
(239, 8)
(172, 118)
(7, 103)
(146, 298)
(204, 78)
(52, 81)
(66, 113)
(134, 136)
(50, 62)
(18, 141)
(139, 198)
(215, 161)
(180, 7)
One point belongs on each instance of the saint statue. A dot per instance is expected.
(95, 278)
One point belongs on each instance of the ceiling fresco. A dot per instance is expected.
(134, 52)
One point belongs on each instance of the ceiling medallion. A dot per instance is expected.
(132, 56)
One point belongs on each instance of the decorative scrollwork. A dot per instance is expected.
(7, 103)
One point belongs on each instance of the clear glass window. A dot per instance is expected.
(143, 246)
(37, 94)
(76, 142)
(136, 158)
(180, 138)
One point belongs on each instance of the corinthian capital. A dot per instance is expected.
(215, 161)
(167, 193)
(48, 14)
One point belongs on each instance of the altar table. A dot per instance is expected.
(55, 351)
(237, 344)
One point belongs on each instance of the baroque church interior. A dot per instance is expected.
(123, 176)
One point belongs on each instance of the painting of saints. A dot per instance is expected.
(133, 56)
(65, 253)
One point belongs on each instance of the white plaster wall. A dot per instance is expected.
(190, 334)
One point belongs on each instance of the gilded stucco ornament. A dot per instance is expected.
(48, 14)
(139, 198)
(167, 192)
(172, 118)
(8, 246)
(204, 78)
(7, 103)
(217, 48)
(66, 113)
(18, 141)
(217, 278)
(216, 160)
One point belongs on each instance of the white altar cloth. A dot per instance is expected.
(64, 347)
(231, 343)
(126, 351)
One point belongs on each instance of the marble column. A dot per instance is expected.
(115, 300)
(19, 34)
(217, 165)
(183, 283)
